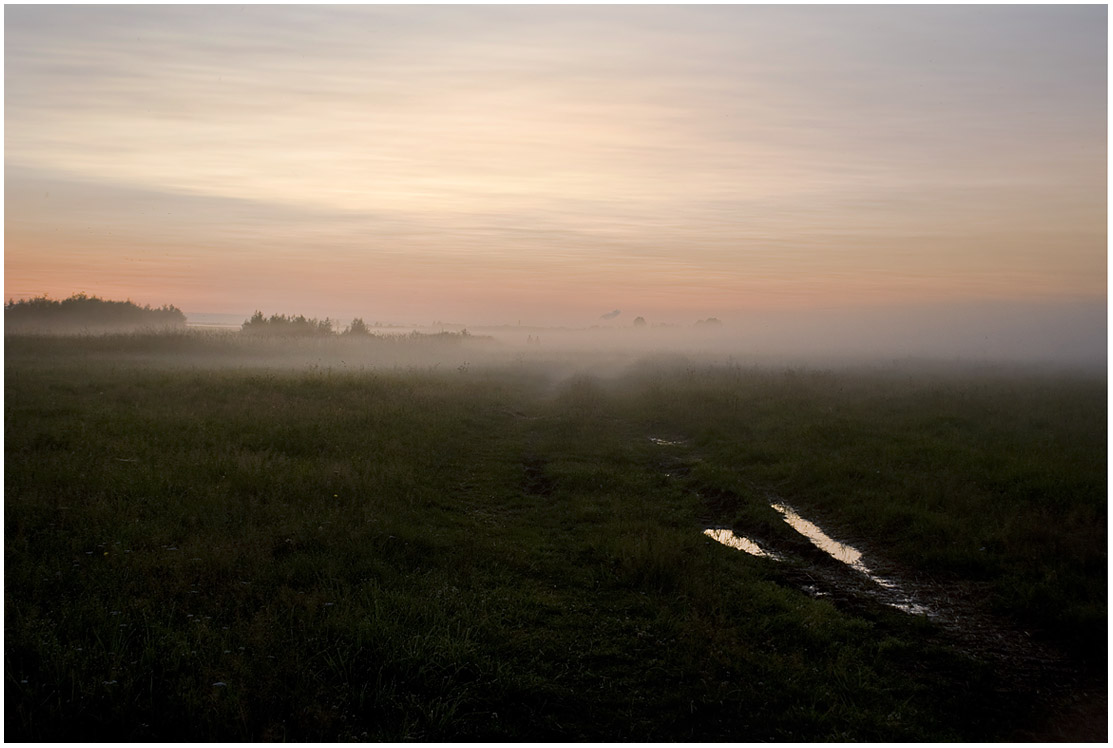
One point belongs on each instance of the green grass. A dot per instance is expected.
(490, 552)
(990, 476)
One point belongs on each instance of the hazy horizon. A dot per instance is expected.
(922, 175)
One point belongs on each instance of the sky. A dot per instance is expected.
(549, 164)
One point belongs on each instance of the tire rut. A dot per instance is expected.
(1074, 697)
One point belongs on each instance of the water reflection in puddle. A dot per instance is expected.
(836, 550)
(728, 538)
(852, 557)
(890, 594)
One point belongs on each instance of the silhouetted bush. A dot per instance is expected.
(82, 313)
(281, 325)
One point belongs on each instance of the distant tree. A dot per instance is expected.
(256, 323)
(639, 321)
(358, 327)
(709, 322)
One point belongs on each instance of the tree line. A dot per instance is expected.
(82, 312)
(282, 325)
(300, 326)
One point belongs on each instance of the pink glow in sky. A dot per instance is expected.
(546, 164)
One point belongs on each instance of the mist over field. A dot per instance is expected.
(1050, 337)
(1066, 335)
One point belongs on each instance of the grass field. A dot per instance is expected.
(202, 545)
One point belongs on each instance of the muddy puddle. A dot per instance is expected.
(728, 538)
(884, 590)
(824, 567)
(890, 591)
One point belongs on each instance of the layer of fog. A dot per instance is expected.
(1070, 335)
(1057, 336)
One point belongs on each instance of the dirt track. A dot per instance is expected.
(1069, 698)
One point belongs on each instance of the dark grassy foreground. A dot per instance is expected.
(492, 553)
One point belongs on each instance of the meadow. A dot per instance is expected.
(213, 538)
